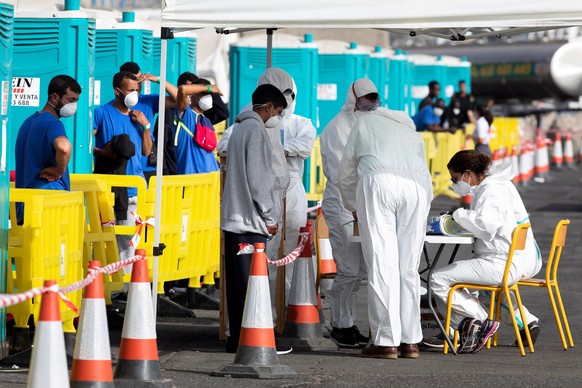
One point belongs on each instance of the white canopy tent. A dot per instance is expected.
(454, 19)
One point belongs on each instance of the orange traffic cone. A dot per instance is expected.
(327, 266)
(138, 352)
(92, 358)
(515, 166)
(48, 363)
(558, 155)
(256, 356)
(303, 326)
(569, 150)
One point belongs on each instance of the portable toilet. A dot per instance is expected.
(6, 41)
(49, 40)
(457, 69)
(426, 69)
(119, 39)
(398, 81)
(378, 70)
(340, 64)
(248, 60)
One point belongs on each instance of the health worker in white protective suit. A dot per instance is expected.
(495, 211)
(292, 139)
(362, 96)
(385, 179)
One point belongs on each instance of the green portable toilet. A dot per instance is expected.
(6, 40)
(49, 40)
(248, 60)
(119, 38)
(378, 70)
(340, 64)
(426, 68)
(457, 69)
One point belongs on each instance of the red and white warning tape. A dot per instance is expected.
(141, 224)
(246, 249)
(314, 208)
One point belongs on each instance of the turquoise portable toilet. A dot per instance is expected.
(457, 69)
(248, 60)
(49, 40)
(6, 41)
(398, 81)
(340, 64)
(119, 38)
(378, 70)
(426, 69)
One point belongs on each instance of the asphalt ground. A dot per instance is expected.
(189, 348)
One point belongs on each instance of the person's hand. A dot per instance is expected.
(52, 173)
(453, 130)
(215, 89)
(138, 117)
(148, 77)
(273, 229)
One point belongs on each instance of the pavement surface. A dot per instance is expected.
(189, 348)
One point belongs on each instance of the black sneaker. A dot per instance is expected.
(534, 331)
(345, 338)
(437, 341)
(488, 329)
(362, 339)
(469, 335)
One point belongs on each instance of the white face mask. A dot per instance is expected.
(205, 102)
(131, 99)
(366, 105)
(438, 112)
(461, 187)
(273, 122)
(68, 110)
(456, 111)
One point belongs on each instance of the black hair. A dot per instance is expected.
(119, 77)
(268, 93)
(130, 67)
(462, 82)
(484, 112)
(187, 76)
(433, 84)
(469, 160)
(439, 100)
(60, 83)
(202, 81)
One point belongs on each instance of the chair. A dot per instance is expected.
(551, 280)
(517, 244)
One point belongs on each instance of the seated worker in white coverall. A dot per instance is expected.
(362, 96)
(385, 179)
(298, 134)
(495, 211)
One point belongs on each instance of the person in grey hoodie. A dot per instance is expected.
(247, 210)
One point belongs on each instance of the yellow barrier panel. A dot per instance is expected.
(316, 176)
(100, 242)
(48, 246)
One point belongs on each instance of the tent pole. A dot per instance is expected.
(269, 47)
(165, 35)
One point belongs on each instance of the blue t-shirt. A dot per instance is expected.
(424, 118)
(35, 151)
(191, 158)
(109, 122)
(148, 104)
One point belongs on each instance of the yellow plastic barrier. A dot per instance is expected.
(48, 246)
(316, 176)
(440, 147)
(100, 242)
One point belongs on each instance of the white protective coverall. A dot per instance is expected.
(350, 268)
(495, 211)
(384, 176)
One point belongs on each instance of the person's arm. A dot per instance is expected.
(487, 219)
(182, 101)
(348, 174)
(170, 88)
(259, 181)
(302, 143)
(146, 135)
(62, 156)
(219, 111)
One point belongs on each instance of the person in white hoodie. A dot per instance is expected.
(495, 211)
(385, 179)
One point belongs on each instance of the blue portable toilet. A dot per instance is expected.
(398, 81)
(340, 64)
(248, 60)
(457, 69)
(49, 40)
(378, 70)
(6, 41)
(119, 38)
(426, 68)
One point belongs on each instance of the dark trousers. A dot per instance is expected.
(237, 278)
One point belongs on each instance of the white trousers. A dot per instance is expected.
(392, 212)
(349, 263)
(126, 251)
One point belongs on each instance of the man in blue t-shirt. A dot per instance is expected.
(115, 118)
(429, 118)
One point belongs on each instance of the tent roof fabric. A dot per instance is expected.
(413, 14)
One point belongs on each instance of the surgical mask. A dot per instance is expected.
(461, 187)
(366, 105)
(205, 102)
(68, 110)
(273, 121)
(131, 99)
(438, 112)
(456, 111)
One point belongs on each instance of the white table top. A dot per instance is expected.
(441, 239)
